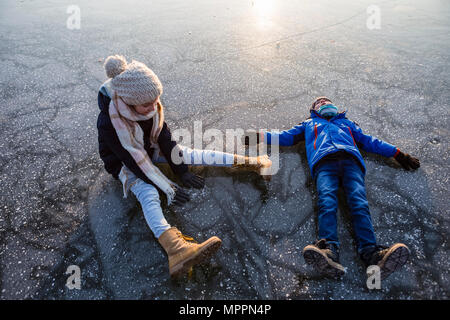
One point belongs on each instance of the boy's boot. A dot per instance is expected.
(324, 257)
(183, 253)
(389, 259)
(261, 164)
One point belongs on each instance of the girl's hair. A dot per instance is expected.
(155, 133)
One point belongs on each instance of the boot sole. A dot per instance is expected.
(314, 257)
(394, 259)
(201, 256)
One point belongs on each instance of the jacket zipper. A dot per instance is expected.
(350, 130)
(315, 139)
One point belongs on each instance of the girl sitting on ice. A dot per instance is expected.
(133, 135)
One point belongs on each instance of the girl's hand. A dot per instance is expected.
(181, 197)
(192, 180)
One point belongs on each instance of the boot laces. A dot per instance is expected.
(186, 238)
(376, 254)
(321, 244)
(327, 249)
(382, 250)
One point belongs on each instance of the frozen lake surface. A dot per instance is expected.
(234, 64)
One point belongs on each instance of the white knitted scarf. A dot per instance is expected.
(131, 136)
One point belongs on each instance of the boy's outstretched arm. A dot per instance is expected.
(285, 138)
(374, 145)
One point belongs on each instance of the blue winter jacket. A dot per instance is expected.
(323, 137)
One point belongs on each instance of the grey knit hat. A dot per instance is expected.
(134, 82)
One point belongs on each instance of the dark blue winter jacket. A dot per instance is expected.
(114, 155)
(324, 137)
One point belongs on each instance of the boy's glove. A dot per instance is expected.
(192, 180)
(407, 161)
(250, 137)
(181, 197)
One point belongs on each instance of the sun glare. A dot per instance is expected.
(263, 10)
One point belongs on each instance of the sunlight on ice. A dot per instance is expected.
(264, 10)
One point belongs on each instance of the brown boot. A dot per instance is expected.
(183, 254)
(261, 164)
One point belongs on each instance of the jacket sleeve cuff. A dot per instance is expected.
(396, 153)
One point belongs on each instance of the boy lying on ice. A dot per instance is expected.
(332, 142)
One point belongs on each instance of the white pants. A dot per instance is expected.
(148, 197)
(202, 157)
(147, 194)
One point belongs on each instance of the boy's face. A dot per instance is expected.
(146, 108)
(321, 102)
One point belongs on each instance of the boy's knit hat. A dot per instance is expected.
(317, 99)
(134, 82)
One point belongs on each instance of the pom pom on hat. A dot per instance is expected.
(115, 65)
